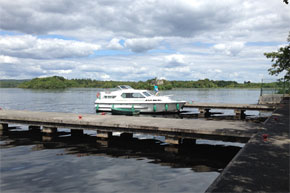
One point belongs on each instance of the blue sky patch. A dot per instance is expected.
(264, 43)
(110, 53)
(55, 36)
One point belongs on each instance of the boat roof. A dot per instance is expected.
(124, 89)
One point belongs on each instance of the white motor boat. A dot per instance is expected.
(125, 97)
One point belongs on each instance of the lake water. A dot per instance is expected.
(142, 164)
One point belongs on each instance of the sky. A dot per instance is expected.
(139, 40)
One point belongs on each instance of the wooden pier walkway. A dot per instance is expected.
(173, 129)
(239, 109)
(230, 106)
(263, 163)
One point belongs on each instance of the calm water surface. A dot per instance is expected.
(29, 163)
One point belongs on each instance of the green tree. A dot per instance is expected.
(281, 60)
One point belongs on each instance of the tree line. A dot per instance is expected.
(57, 82)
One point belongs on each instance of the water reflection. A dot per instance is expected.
(198, 157)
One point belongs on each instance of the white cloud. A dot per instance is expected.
(231, 49)
(174, 60)
(27, 46)
(217, 70)
(115, 44)
(105, 77)
(142, 44)
(8, 60)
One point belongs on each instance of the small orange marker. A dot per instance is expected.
(80, 117)
(103, 113)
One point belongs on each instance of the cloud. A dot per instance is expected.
(115, 44)
(230, 49)
(27, 46)
(105, 77)
(128, 18)
(95, 20)
(8, 60)
(142, 44)
(174, 60)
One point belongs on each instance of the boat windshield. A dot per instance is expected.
(147, 94)
(122, 87)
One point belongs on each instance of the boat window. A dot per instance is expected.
(132, 95)
(125, 87)
(137, 95)
(126, 95)
(146, 94)
(109, 97)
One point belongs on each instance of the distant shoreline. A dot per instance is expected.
(57, 82)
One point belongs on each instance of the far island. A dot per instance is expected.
(57, 82)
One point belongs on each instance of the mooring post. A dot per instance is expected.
(189, 141)
(172, 140)
(49, 133)
(76, 132)
(103, 142)
(104, 134)
(34, 128)
(49, 130)
(240, 114)
(126, 135)
(204, 113)
(3, 126)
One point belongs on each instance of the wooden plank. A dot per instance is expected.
(229, 106)
(173, 127)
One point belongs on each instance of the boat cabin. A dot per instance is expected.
(126, 92)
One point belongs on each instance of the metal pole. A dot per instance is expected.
(261, 91)
(284, 88)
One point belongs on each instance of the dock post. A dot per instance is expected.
(240, 114)
(76, 132)
(126, 135)
(104, 134)
(49, 133)
(34, 128)
(49, 130)
(103, 142)
(172, 140)
(204, 113)
(4, 126)
(189, 141)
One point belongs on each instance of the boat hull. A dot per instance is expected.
(118, 111)
(142, 107)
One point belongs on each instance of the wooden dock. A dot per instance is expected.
(173, 129)
(239, 109)
(263, 163)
